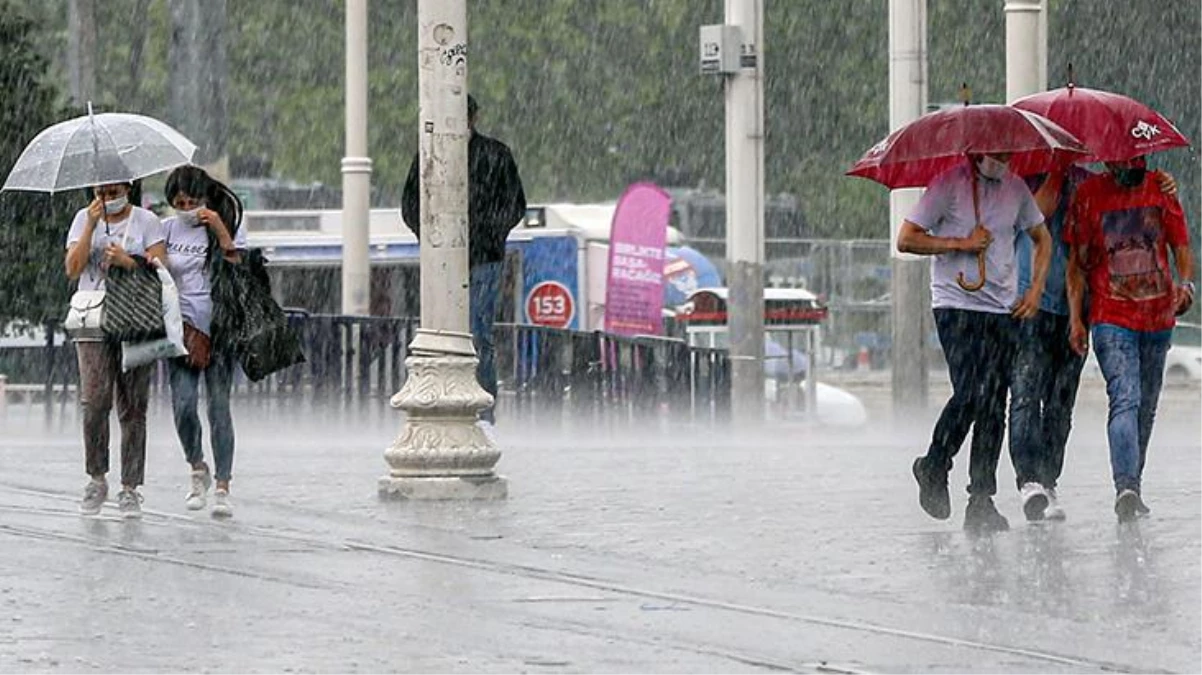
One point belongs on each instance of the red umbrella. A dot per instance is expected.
(915, 154)
(1115, 127)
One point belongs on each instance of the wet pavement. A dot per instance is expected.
(783, 549)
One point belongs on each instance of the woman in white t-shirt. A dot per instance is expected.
(206, 225)
(108, 233)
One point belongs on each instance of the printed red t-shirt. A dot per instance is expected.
(1126, 235)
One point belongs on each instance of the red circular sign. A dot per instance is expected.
(550, 304)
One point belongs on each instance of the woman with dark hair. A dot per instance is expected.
(111, 232)
(205, 230)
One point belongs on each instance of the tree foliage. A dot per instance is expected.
(32, 227)
(592, 95)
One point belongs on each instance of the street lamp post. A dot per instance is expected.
(442, 453)
(356, 169)
(1025, 73)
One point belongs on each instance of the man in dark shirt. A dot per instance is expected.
(496, 204)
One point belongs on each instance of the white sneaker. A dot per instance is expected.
(1141, 509)
(1126, 506)
(1054, 510)
(201, 480)
(1035, 501)
(129, 503)
(94, 494)
(222, 508)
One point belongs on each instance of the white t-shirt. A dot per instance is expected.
(187, 246)
(144, 229)
(945, 210)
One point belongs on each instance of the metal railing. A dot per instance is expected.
(609, 379)
(544, 373)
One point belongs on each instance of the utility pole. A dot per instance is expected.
(356, 169)
(442, 453)
(197, 66)
(911, 302)
(745, 212)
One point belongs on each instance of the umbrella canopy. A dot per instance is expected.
(916, 153)
(686, 270)
(1115, 127)
(96, 150)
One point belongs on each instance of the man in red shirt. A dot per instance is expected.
(1122, 230)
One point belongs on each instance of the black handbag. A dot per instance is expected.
(269, 348)
(246, 316)
(133, 304)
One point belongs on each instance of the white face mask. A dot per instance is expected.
(188, 218)
(115, 206)
(991, 168)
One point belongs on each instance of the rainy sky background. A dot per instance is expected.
(593, 95)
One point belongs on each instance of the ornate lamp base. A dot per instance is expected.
(442, 453)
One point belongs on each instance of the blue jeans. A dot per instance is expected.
(485, 288)
(1133, 364)
(185, 395)
(1043, 391)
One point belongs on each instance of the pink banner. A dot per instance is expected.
(634, 294)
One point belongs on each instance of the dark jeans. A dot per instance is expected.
(99, 374)
(485, 287)
(1043, 391)
(185, 396)
(979, 348)
(1133, 364)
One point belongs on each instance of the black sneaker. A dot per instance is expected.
(932, 491)
(981, 516)
(1126, 506)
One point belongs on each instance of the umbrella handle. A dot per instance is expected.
(980, 283)
(976, 211)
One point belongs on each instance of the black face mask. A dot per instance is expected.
(1130, 177)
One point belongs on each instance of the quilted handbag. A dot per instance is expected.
(133, 305)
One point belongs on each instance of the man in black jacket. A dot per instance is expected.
(496, 204)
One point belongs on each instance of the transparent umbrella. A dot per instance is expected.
(96, 150)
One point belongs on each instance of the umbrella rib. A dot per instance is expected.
(62, 156)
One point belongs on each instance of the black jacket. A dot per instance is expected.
(496, 200)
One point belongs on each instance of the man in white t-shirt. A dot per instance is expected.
(978, 329)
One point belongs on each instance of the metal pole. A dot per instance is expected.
(745, 213)
(1023, 73)
(1043, 46)
(442, 453)
(356, 169)
(910, 297)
